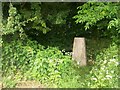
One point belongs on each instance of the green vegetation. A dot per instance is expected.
(37, 43)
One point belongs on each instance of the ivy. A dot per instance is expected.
(13, 21)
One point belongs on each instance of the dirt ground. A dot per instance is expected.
(29, 84)
(0, 85)
(26, 84)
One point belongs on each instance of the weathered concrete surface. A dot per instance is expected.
(79, 51)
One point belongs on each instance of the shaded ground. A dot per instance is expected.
(26, 84)
(29, 84)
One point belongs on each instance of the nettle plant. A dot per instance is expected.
(25, 59)
(34, 62)
(49, 65)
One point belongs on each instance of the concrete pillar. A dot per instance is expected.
(79, 51)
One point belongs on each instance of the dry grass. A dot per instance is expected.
(29, 84)
(1, 85)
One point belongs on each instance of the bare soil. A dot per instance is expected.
(26, 84)
(29, 84)
(0, 85)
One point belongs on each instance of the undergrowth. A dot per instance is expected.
(49, 61)
(28, 60)
(31, 61)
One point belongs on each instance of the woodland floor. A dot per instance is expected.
(26, 84)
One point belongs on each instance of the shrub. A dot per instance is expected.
(34, 62)
(105, 72)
